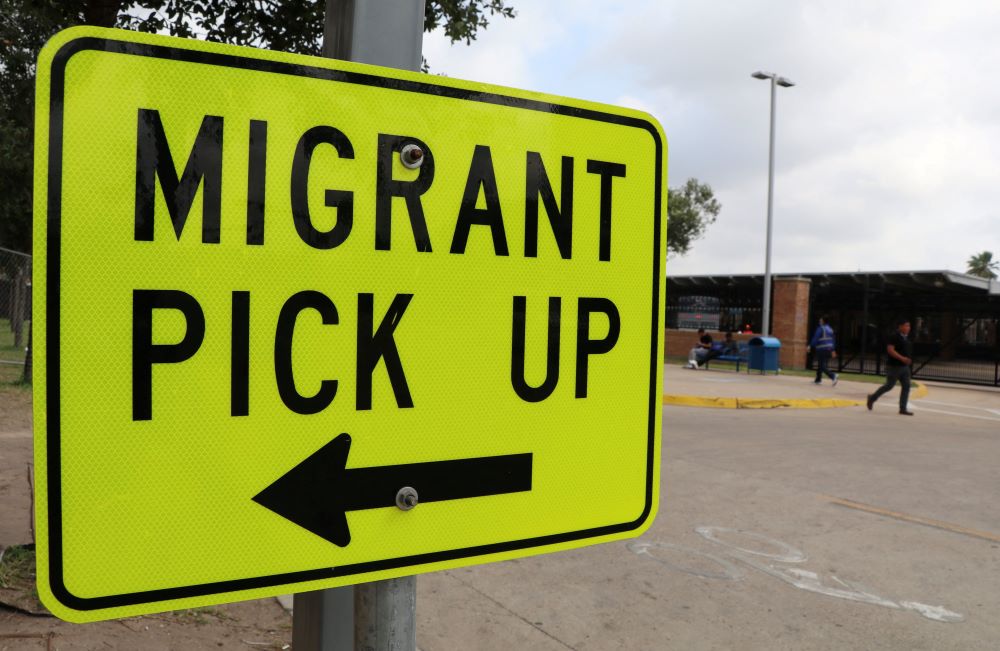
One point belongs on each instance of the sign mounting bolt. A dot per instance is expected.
(412, 156)
(406, 498)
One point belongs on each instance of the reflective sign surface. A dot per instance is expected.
(303, 323)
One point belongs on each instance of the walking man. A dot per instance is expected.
(900, 351)
(823, 344)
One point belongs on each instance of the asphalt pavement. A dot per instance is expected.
(778, 529)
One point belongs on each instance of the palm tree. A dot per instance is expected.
(983, 265)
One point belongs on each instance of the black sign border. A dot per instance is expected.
(52, 270)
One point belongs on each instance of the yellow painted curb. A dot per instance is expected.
(759, 403)
(920, 391)
(701, 401)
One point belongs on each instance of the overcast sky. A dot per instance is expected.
(888, 147)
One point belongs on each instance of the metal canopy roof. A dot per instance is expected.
(932, 282)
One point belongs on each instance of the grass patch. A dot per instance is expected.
(11, 356)
(7, 338)
(202, 616)
(847, 377)
(716, 365)
(17, 580)
(15, 387)
(17, 567)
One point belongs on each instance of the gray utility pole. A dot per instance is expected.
(386, 33)
(784, 83)
(377, 616)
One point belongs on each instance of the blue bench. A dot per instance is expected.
(741, 358)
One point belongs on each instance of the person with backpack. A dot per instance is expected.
(823, 344)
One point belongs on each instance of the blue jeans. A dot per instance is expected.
(893, 373)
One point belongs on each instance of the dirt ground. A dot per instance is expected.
(15, 455)
(261, 624)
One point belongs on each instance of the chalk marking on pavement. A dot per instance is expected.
(793, 576)
(788, 553)
(813, 582)
(730, 571)
(939, 613)
(916, 519)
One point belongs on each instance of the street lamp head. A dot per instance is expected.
(781, 81)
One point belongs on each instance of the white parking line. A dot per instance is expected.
(919, 404)
(952, 404)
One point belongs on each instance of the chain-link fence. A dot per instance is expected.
(15, 316)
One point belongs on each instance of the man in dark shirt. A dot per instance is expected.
(702, 350)
(730, 346)
(900, 351)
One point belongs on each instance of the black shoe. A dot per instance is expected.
(871, 402)
(905, 412)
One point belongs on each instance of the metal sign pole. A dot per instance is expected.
(386, 33)
(385, 615)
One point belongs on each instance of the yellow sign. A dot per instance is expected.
(304, 323)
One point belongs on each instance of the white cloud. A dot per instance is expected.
(886, 155)
(502, 54)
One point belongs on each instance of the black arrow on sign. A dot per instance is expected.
(317, 493)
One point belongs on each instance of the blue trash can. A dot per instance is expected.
(763, 354)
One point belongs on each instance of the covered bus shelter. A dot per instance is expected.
(955, 317)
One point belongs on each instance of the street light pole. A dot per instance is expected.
(784, 83)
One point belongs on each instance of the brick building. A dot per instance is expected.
(955, 317)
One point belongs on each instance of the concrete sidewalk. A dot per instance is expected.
(778, 529)
(729, 389)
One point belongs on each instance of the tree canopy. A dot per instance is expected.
(285, 25)
(692, 209)
(983, 265)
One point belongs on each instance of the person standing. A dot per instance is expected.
(824, 347)
(900, 351)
